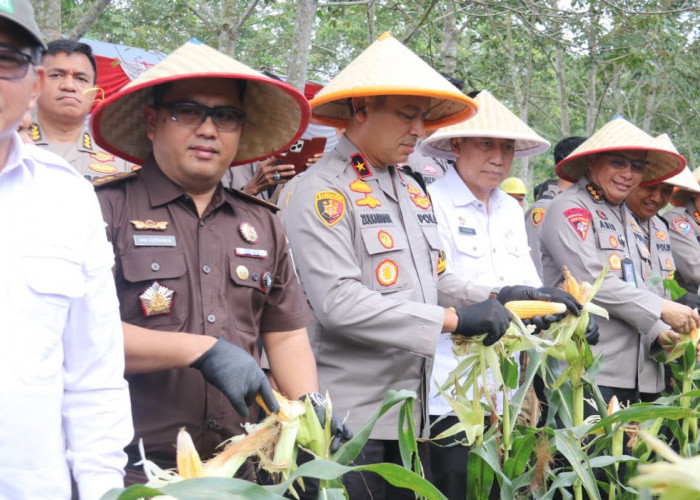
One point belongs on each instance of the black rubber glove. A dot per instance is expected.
(488, 317)
(592, 333)
(543, 322)
(552, 294)
(235, 373)
(691, 300)
(339, 430)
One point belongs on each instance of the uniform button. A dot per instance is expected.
(201, 222)
(494, 250)
(211, 318)
(155, 266)
(501, 278)
(474, 248)
(211, 424)
(255, 276)
(206, 269)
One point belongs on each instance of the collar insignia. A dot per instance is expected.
(595, 192)
(87, 141)
(360, 165)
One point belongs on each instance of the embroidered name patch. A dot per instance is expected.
(580, 220)
(330, 207)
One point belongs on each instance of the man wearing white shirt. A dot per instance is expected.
(65, 401)
(483, 235)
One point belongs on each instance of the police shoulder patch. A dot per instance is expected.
(680, 225)
(580, 220)
(537, 216)
(330, 207)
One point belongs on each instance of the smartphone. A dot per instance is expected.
(301, 151)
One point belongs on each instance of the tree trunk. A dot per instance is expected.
(449, 38)
(227, 35)
(301, 44)
(88, 19)
(592, 104)
(370, 23)
(48, 18)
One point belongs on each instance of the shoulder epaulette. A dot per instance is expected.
(109, 180)
(254, 199)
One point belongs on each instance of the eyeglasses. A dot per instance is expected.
(193, 114)
(13, 63)
(621, 162)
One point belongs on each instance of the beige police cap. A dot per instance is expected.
(616, 135)
(387, 67)
(492, 120)
(21, 13)
(276, 113)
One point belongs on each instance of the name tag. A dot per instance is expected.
(154, 240)
(251, 252)
(467, 230)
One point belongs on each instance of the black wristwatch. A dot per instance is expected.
(316, 399)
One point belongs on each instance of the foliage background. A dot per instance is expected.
(565, 66)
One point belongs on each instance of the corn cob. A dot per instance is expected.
(526, 309)
(189, 465)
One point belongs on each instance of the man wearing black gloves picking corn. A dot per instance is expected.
(202, 272)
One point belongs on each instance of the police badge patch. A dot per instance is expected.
(537, 216)
(580, 220)
(330, 207)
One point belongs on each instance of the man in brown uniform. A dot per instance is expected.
(195, 261)
(63, 106)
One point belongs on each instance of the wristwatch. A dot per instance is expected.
(316, 399)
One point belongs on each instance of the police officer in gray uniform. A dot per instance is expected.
(589, 226)
(684, 224)
(366, 246)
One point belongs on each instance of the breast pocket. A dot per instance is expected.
(54, 283)
(158, 287)
(387, 261)
(252, 280)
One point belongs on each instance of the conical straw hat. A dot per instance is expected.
(493, 120)
(616, 135)
(387, 67)
(276, 113)
(685, 182)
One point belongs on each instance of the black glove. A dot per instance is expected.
(552, 294)
(691, 300)
(543, 322)
(488, 317)
(235, 373)
(592, 333)
(339, 431)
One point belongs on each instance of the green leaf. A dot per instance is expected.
(509, 371)
(131, 493)
(351, 449)
(640, 412)
(570, 447)
(479, 476)
(674, 288)
(523, 444)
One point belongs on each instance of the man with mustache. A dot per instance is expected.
(63, 106)
(203, 273)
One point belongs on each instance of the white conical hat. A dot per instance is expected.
(616, 135)
(387, 67)
(276, 113)
(493, 120)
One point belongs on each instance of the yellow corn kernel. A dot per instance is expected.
(189, 465)
(571, 285)
(526, 309)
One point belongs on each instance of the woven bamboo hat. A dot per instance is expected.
(685, 184)
(387, 67)
(276, 113)
(616, 135)
(493, 120)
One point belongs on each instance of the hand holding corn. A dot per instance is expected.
(488, 317)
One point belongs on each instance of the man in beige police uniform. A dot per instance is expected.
(684, 224)
(65, 103)
(589, 226)
(203, 273)
(367, 250)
